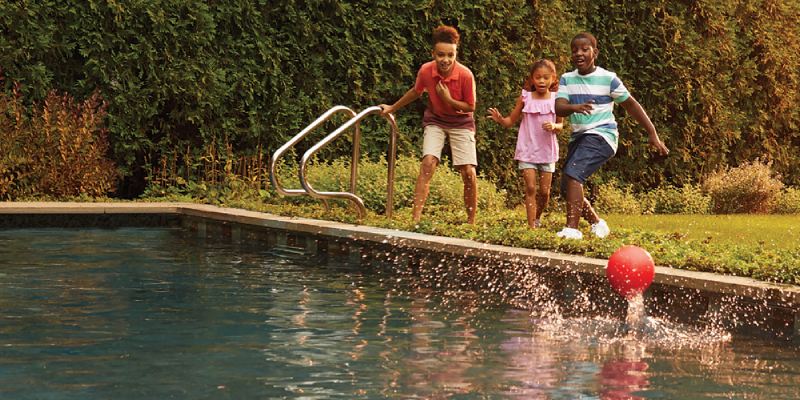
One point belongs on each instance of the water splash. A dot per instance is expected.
(587, 315)
(637, 327)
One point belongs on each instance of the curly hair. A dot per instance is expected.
(543, 63)
(445, 34)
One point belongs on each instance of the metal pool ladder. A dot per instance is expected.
(351, 195)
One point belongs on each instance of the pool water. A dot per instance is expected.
(159, 313)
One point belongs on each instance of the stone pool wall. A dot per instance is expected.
(742, 305)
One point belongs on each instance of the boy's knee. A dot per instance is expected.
(428, 165)
(468, 175)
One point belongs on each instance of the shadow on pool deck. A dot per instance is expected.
(768, 307)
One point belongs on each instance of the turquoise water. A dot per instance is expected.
(152, 314)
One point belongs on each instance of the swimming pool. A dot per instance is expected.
(160, 313)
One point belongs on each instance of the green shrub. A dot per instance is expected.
(667, 199)
(788, 201)
(749, 188)
(58, 151)
(446, 188)
(187, 74)
(614, 199)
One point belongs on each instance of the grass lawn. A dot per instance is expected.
(779, 231)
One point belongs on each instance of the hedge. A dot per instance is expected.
(718, 77)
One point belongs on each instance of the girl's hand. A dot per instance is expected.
(548, 126)
(443, 92)
(494, 115)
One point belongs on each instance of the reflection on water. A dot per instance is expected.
(131, 314)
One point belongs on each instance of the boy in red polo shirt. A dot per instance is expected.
(451, 101)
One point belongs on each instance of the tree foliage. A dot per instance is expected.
(718, 77)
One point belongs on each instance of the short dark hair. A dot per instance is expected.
(445, 34)
(589, 36)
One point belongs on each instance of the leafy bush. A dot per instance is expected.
(749, 188)
(446, 188)
(614, 199)
(667, 199)
(187, 74)
(58, 151)
(788, 201)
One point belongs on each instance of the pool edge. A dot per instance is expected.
(718, 286)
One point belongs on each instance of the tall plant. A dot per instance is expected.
(56, 149)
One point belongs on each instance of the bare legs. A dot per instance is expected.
(426, 170)
(470, 190)
(536, 200)
(577, 205)
(422, 186)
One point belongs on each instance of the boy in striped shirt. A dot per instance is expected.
(587, 95)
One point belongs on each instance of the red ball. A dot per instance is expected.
(630, 270)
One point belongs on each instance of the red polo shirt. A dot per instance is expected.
(461, 84)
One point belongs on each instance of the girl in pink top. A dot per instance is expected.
(537, 144)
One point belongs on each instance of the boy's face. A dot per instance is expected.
(583, 55)
(445, 56)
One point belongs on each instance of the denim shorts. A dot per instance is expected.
(584, 157)
(546, 167)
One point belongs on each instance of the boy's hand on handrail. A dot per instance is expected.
(386, 109)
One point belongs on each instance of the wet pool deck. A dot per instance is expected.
(777, 306)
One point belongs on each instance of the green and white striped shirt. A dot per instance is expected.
(605, 89)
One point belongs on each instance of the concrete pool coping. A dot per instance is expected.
(787, 296)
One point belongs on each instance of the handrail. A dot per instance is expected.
(278, 153)
(354, 167)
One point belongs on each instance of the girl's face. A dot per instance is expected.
(583, 55)
(543, 79)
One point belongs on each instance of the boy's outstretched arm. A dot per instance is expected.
(565, 109)
(635, 109)
(410, 96)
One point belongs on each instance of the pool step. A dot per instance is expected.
(287, 251)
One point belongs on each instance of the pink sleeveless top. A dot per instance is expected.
(534, 144)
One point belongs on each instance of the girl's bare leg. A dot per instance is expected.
(529, 175)
(543, 194)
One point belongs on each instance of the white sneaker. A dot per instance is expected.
(569, 233)
(601, 229)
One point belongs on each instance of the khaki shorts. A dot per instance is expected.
(462, 144)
